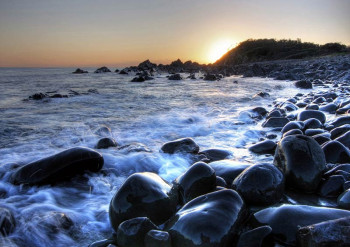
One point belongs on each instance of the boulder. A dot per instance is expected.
(312, 123)
(336, 153)
(344, 139)
(338, 122)
(156, 238)
(307, 114)
(143, 195)
(175, 77)
(59, 167)
(302, 161)
(293, 125)
(292, 132)
(147, 65)
(344, 200)
(106, 142)
(216, 154)
(332, 186)
(138, 79)
(80, 71)
(211, 77)
(275, 122)
(303, 84)
(228, 169)
(261, 184)
(102, 70)
(264, 147)
(339, 131)
(330, 108)
(184, 145)
(213, 219)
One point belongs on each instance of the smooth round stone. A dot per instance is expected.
(312, 123)
(59, 167)
(312, 107)
(285, 220)
(198, 180)
(321, 138)
(293, 132)
(330, 108)
(216, 154)
(339, 131)
(228, 169)
(307, 114)
(260, 184)
(344, 200)
(275, 122)
(332, 187)
(293, 125)
(338, 168)
(302, 161)
(312, 132)
(261, 111)
(338, 122)
(344, 139)
(132, 232)
(213, 219)
(336, 153)
(275, 113)
(184, 145)
(220, 182)
(289, 106)
(7, 222)
(156, 238)
(301, 104)
(106, 142)
(254, 237)
(264, 147)
(143, 195)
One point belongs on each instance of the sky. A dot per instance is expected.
(87, 33)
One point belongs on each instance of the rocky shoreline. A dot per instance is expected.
(222, 202)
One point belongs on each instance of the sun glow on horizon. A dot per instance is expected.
(219, 48)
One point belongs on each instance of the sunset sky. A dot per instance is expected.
(48, 33)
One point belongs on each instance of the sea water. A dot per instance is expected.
(214, 113)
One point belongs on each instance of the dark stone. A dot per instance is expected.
(339, 131)
(275, 122)
(285, 220)
(338, 122)
(321, 138)
(79, 71)
(344, 139)
(210, 77)
(184, 145)
(102, 243)
(7, 222)
(156, 238)
(260, 111)
(303, 84)
(344, 200)
(261, 184)
(330, 108)
(312, 123)
(102, 70)
(59, 167)
(175, 77)
(262, 95)
(313, 132)
(335, 169)
(147, 65)
(307, 114)
(288, 107)
(336, 153)
(132, 232)
(332, 187)
(220, 182)
(301, 160)
(138, 79)
(332, 233)
(143, 195)
(37, 96)
(254, 237)
(277, 113)
(293, 125)
(198, 180)
(301, 104)
(293, 132)
(228, 169)
(123, 72)
(216, 154)
(213, 219)
(264, 147)
(106, 142)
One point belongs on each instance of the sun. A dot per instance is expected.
(219, 48)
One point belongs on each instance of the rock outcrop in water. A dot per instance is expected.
(102, 70)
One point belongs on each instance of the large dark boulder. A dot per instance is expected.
(102, 70)
(293, 125)
(184, 145)
(260, 184)
(106, 142)
(59, 167)
(213, 219)
(303, 84)
(80, 71)
(307, 114)
(336, 153)
(228, 169)
(285, 220)
(143, 195)
(147, 65)
(332, 186)
(302, 161)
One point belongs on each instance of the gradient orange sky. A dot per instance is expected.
(81, 33)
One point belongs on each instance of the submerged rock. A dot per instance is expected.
(228, 169)
(79, 71)
(216, 154)
(303, 84)
(59, 167)
(264, 147)
(275, 122)
(175, 77)
(106, 143)
(184, 145)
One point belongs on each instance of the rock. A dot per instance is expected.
(303, 84)
(102, 70)
(156, 238)
(147, 65)
(216, 154)
(307, 114)
(330, 108)
(143, 195)
(254, 237)
(313, 132)
(344, 200)
(7, 222)
(211, 77)
(336, 153)
(261, 111)
(228, 169)
(138, 79)
(332, 187)
(213, 219)
(198, 180)
(321, 138)
(312, 123)
(327, 233)
(175, 77)
(339, 131)
(297, 125)
(102, 243)
(38, 96)
(135, 147)
(288, 106)
(262, 95)
(184, 145)
(275, 122)
(261, 184)
(79, 71)
(264, 147)
(123, 72)
(59, 167)
(301, 160)
(286, 219)
(106, 142)
(293, 132)
(103, 131)
(338, 122)
(221, 182)
(132, 232)
(344, 139)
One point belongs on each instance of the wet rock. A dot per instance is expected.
(216, 154)
(106, 142)
(303, 84)
(102, 70)
(313, 132)
(102, 243)
(184, 145)
(135, 147)
(344, 200)
(220, 182)
(228, 169)
(38, 96)
(213, 219)
(336, 153)
(275, 122)
(332, 187)
(339, 131)
(328, 233)
(298, 125)
(261, 184)
(198, 180)
(344, 139)
(288, 107)
(338, 122)
(143, 195)
(211, 77)
(312, 123)
(59, 167)
(175, 77)
(261, 111)
(277, 113)
(264, 147)
(254, 237)
(138, 79)
(123, 72)
(286, 219)
(147, 65)
(302, 161)
(262, 95)
(132, 232)
(79, 71)
(321, 138)
(307, 114)
(103, 131)
(156, 238)
(293, 132)
(330, 108)
(7, 222)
